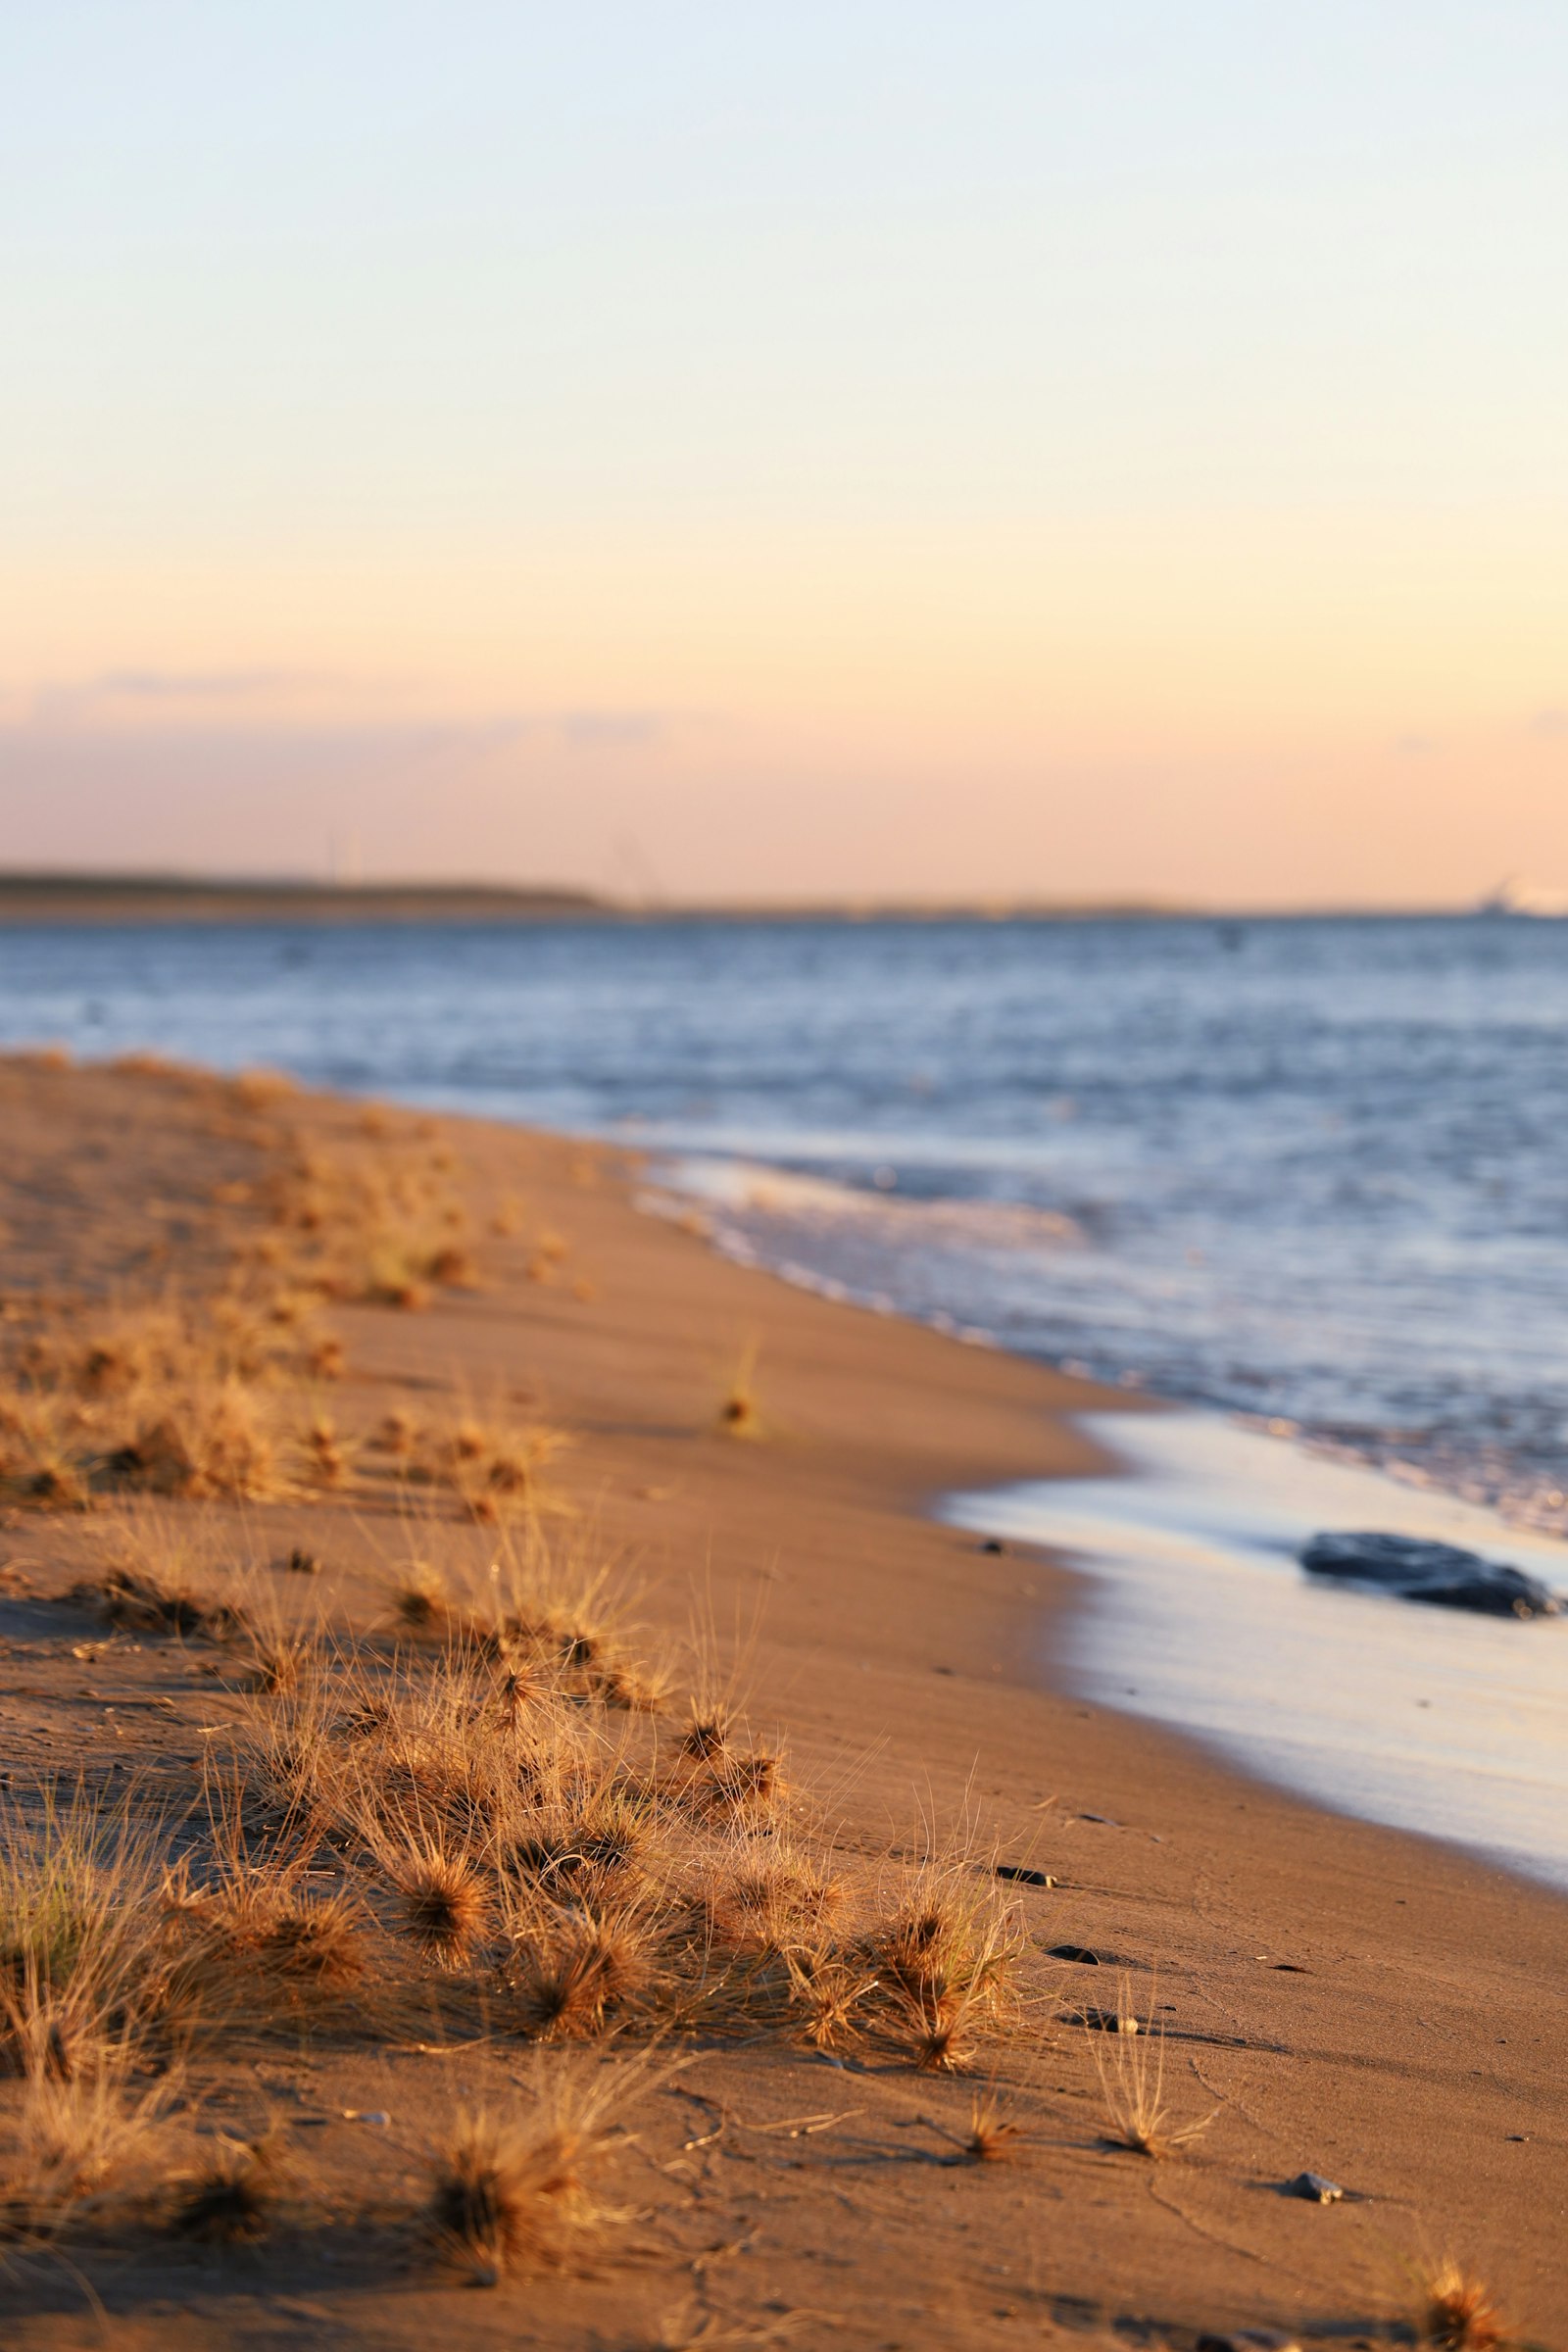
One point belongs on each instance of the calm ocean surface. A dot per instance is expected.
(1310, 1172)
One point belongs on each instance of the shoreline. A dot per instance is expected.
(1357, 2001)
(1433, 1722)
(1048, 1215)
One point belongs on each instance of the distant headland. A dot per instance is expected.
(130, 897)
(60, 896)
(63, 897)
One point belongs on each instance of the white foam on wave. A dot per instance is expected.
(750, 1188)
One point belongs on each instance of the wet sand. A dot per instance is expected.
(1372, 2006)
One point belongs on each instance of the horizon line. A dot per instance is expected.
(65, 893)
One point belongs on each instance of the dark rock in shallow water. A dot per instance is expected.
(1442, 1574)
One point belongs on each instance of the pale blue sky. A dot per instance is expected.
(296, 294)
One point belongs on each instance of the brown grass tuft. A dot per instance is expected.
(937, 2032)
(442, 1895)
(141, 1601)
(738, 1414)
(764, 1897)
(827, 1997)
(61, 2145)
(421, 1602)
(506, 2193)
(320, 1942)
(1130, 2063)
(631, 1688)
(453, 1267)
(992, 2135)
(741, 1786)
(571, 1972)
(327, 1453)
(211, 1445)
(707, 1733)
(1457, 2313)
(397, 1434)
(231, 2201)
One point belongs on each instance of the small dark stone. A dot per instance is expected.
(1314, 2188)
(1023, 1876)
(992, 1544)
(1443, 1575)
(301, 1562)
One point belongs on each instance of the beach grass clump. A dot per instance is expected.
(762, 1894)
(562, 1604)
(325, 1357)
(708, 1730)
(739, 1415)
(741, 1786)
(43, 1459)
(946, 1954)
(570, 1967)
(1457, 2312)
(86, 1957)
(423, 1606)
(443, 1895)
(827, 1998)
(994, 2136)
(492, 1463)
(1130, 2061)
(147, 1600)
(211, 1444)
(62, 2141)
(385, 1225)
(232, 2198)
(585, 1831)
(327, 1453)
(316, 1941)
(526, 2189)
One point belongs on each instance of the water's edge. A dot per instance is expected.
(1193, 1613)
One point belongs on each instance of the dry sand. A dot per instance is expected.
(1377, 2009)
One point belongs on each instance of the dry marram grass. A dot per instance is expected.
(1457, 2312)
(1130, 2063)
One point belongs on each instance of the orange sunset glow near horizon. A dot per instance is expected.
(860, 453)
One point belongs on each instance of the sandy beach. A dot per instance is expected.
(757, 1469)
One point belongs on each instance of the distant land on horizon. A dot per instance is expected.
(57, 896)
